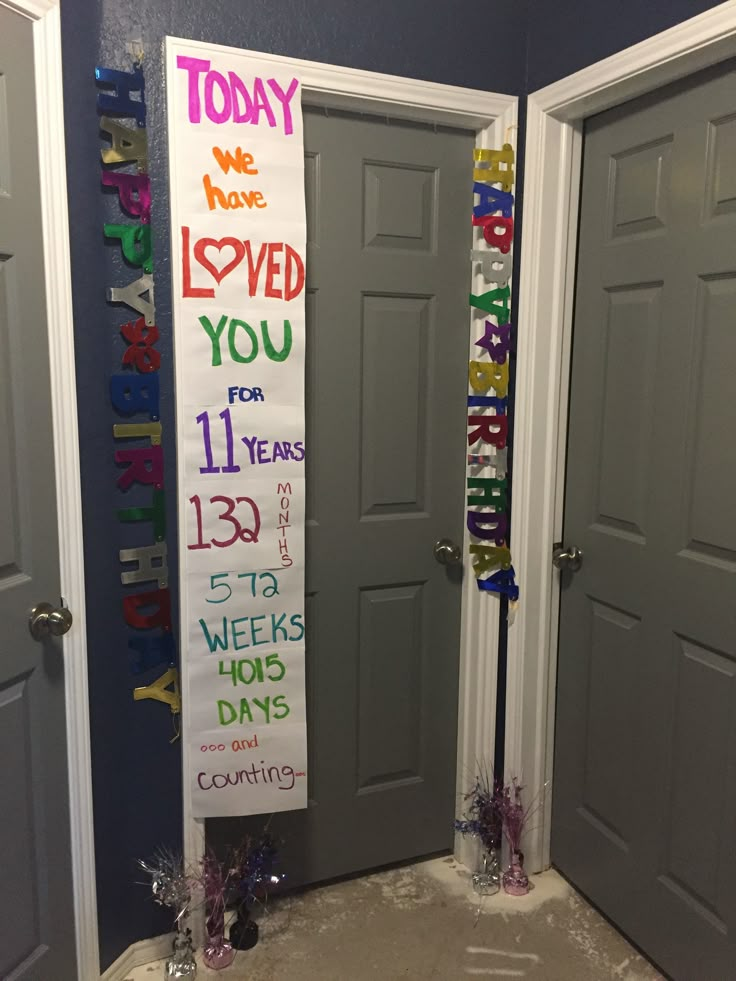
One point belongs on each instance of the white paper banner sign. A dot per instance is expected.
(238, 220)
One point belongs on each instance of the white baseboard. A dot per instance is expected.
(143, 952)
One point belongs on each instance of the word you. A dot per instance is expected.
(242, 532)
(231, 100)
(244, 631)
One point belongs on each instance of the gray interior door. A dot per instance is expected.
(36, 902)
(644, 816)
(388, 275)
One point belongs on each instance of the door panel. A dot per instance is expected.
(36, 902)
(387, 280)
(644, 810)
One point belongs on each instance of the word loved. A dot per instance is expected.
(218, 257)
(258, 450)
(488, 413)
(230, 99)
(134, 393)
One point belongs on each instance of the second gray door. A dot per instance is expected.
(644, 815)
(388, 275)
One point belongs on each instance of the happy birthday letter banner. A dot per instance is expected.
(134, 390)
(488, 476)
(238, 220)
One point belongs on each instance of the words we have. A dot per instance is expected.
(241, 163)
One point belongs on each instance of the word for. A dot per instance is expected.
(245, 394)
(258, 670)
(274, 774)
(236, 635)
(227, 713)
(229, 99)
(134, 392)
(241, 532)
(235, 340)
(488, 414)
(284, 503)
(258, 449)
(269, 590)
(264, 273)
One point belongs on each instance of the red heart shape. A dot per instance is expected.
(205, 243)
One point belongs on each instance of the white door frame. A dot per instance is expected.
(551, 198)
(44, 15)
(491, 116)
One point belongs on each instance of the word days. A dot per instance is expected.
(488, 373)
(134, 391)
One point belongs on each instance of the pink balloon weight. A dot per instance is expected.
(218, 955)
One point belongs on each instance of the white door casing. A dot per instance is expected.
(555, 116)
(44, 14)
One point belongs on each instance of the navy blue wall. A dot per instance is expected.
(136, 773)
(568, 35)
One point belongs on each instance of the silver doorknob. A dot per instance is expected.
(567, 558)
(447, 552)
(45, 620)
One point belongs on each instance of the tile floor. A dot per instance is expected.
(424, 922)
